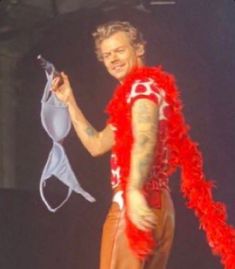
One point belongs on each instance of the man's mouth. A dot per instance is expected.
(118, 67)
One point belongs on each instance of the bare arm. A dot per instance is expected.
(95, 142)
(144, 126)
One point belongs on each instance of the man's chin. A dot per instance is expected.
(119, 76)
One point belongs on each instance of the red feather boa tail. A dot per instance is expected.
(195, 187)
(211, 214)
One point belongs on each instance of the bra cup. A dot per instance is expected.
(56, 121)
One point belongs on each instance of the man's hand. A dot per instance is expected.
(139, 212)
(62, 88)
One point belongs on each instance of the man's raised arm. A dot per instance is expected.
(95, 142)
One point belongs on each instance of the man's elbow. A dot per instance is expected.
(96, 152)
(93, 152)
(148, 144)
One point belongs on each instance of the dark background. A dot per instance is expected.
(194, 40)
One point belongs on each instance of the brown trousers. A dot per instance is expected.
(115, 252)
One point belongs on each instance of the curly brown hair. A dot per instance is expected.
(106, 30)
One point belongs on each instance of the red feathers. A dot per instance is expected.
(184, 154)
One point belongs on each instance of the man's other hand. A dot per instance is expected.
(139, 212)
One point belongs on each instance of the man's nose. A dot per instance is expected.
(113, 57)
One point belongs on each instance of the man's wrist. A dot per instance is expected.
(71, 102)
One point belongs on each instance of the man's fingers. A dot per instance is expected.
(144, 220)
(54, 83)
(148, 215)
(64, 76)
(57, 84)
(151, 219)
(144, 224)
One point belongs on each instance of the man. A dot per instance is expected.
(121, 48)
(148, 139)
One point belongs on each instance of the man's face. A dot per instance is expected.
(119, 56)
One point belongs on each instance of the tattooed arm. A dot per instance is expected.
(144, 126)
(95, 142)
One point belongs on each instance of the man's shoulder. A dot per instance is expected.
(145, 87)
(155, 74)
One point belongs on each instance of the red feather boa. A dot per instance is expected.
(184, 154)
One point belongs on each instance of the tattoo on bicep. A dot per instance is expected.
(90, 131)
(143, 113)
(143, 140)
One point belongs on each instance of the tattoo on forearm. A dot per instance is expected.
(90, 131)
(144, 164)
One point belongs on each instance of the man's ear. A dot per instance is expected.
(140, 50)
